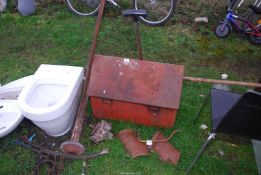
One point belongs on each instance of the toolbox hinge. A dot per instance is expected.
(106, 100)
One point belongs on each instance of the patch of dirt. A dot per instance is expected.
(27, 128)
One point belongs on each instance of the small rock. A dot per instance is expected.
(101, 131)
(201, 20)
(202, 95)
(203, 126)
(221, 153)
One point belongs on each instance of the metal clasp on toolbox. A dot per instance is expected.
(143, 92)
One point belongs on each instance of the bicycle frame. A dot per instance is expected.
(113, 3)
(256, 3)
(248, 28)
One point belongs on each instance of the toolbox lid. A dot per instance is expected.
(137, 81)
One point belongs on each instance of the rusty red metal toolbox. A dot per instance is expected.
(143, 92)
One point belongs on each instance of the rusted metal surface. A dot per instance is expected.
(142, 92)
(238, 83)
(159, 144)
(132, 112)
(73, 146)
(132, 145)
(167, 153)
(136, 81)
(54, 160)
(163, 140)
(135, 14)
(101, 131)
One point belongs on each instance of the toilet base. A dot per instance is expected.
(58, 127)
(60, 134)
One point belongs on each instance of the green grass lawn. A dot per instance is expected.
(54, 36)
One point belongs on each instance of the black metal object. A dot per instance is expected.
(201, 150)
(233, 114)
(256, 9)
(257, 151)
(244, 118)
(135, 13)
(221, 102)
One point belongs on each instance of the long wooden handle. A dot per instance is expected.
(228, 82)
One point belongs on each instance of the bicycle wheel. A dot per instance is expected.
(256, 40)
(83, 7)
(158, 11)
(222, 33)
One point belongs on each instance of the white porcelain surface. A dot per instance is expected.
(51, 99)
(12, 90)
(10, 116)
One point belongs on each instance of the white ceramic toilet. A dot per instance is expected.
(51, 99)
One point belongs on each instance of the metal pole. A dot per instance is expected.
(202, 149)
(238, 83)
(138, 41)
(84, 101)
(201, 107)
(73, 146)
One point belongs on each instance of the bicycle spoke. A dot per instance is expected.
(156, 9)
(83, 7)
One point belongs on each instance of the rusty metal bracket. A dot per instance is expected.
(166, 151)
(158, 144)
(132, 145)
(159, 140)
(54, 159)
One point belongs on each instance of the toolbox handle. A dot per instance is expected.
(106, 100)
(154, 109)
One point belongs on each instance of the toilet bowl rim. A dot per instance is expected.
(59, 107)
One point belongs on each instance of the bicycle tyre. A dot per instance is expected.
(158, 13)
(83, 9)
(256, 40)
(222, 34)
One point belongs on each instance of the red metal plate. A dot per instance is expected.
(136, 81)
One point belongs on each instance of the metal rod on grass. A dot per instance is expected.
(227, 82)
(73, 146)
